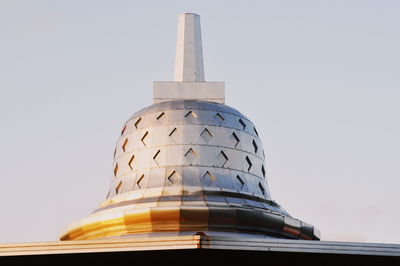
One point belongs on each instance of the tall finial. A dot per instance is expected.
(189, 51)
(189, 82)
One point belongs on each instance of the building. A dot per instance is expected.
(189, 181)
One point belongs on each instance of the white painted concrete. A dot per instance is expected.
(189, 51)
(189, 82)
(171, 90)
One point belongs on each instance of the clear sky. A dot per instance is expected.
(320, 79)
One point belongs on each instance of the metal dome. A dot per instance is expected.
(189, 164)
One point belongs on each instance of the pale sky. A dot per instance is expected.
(320, 80)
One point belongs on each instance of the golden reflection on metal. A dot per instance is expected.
(165, 213)
(187, 167)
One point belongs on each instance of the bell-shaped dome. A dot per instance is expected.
(189, 164)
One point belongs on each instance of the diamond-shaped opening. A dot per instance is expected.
(140, 182)
(255, 130)
(261, 187)
(160, 116)
(206, 135)
(263, 170)
(191, 154)
(242, 123)
(255, 146)
(175, 135)
(125, 144)
(208, 178)
(118, 188)
(115, 151)
(218, 117)
(123, 130)
(108, 194)
(155, 157)
(249, 163)
(144, 138)
(191, 114)
(116, 169)
(235, 139)
(138, 122)
(241, 182)
(172, 132)
(174, 178)
(222, 159)
(131, 160)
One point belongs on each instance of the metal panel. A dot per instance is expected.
(164, 151)
(174, 142)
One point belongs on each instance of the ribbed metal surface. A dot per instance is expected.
(184, 167)
(189, 143)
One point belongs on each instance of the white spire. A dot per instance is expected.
(189, 82)
(189, 51)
